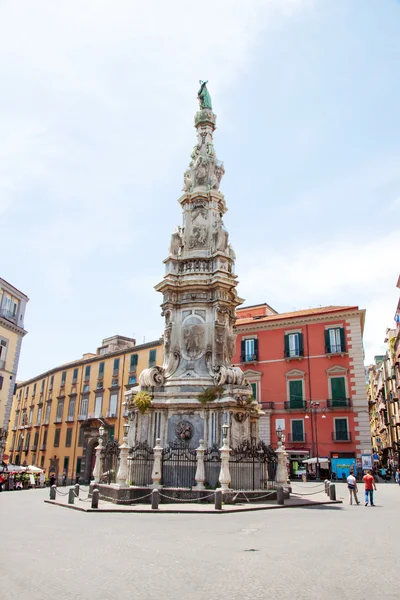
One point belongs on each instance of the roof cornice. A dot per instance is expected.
(300, 320)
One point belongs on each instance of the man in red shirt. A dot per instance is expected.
(369, 482)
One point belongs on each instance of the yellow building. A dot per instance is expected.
(56, 416)
(12, 312)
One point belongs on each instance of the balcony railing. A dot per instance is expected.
(111, 414)
(58, 420)
(335, 349)
(297, 353)
(34, 448)
(268, 405)
(82, 417)
(69, 419)
(341, 436)
(2, 365)
(43, 447)
(249, 357)
(338, 403)
(295, 405)
(8, 314)
(297, 438)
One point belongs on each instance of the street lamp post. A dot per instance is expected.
(314, 409)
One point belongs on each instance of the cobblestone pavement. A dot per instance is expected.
(327, 552)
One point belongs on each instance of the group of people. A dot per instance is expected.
(369, 488)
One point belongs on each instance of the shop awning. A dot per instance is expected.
(313, 461)
(295, 451)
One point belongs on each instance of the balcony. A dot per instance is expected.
(34, 448)
(82, 417)
(46, 422)
(338, 403)
(335, 349)
(268, 405)
(43, 447)
(341, 436)
(2, 365)
(69, 419)
(297, 438)
(8, 314)
(247, 358)
(58, 420)
(295, 405)
(296, 353)
(111, 414)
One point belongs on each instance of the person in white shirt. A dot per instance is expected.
(352, 487)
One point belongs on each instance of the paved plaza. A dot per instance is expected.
(327, 552)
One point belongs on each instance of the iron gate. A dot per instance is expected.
(178, 465)
(140, 464)
(252, 467)
(110, 459)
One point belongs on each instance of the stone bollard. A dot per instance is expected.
(71, 496)
(279, 495)
(332, 491)
(95, 498)
(155, 499)
(218, 499)
(327, 483)
(77, 490)
(53, 492)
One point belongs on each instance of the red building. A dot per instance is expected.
(307, 371)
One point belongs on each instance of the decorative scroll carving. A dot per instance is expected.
(153, 377)
(232, 375)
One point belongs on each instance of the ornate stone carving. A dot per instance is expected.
(220, 237)
(199, 236)
(240, 417)
(193, 339)
(184, 431)
(153, 377)
(176, 245)
(232, 375)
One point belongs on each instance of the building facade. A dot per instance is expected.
(384, 397)
(12, 314)
(307, 370)
(56, 416)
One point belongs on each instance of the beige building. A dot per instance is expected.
(56, 416)
(12, 312)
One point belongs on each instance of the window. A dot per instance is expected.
(30, 419)
(16, 418)
(34, 389)
(81, 437)
(84, 408)
(12, 443)
(338, 391)
(112, 409)
(114, 382)
(152, 358)
(42, 462)
(249, 350)
(86, 388)
(3, 349)
(57, 437)
(35, 441)
(134, 363)
(78, 465)
(26, 391)
(254, 388)
(341, 433)
(98, 403)
(99, 385)
(39, 415)
(111, 433)
(75, 376)
(87, 373)
(71, 409)
(66, 464)
(27, 441)
(60, 409)
(116, 366)
(47, 415)
(68, 437)
(51, 382)
(297, 431)
(42, 386)
(294, 345)
(101, 370)
(63, 378)
(132, 380)
(334, 340)
(296, 393)
(44, 439)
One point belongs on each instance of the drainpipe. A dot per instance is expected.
(310, 394)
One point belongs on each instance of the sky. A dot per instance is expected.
(96, 120)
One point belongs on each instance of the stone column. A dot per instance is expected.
(156, 473)
(98, 467)
(200, 476)
(281, 471)
(224, 474)
(122, 474)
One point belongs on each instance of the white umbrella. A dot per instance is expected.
(313, 461)
(15, 469)
(33, 469)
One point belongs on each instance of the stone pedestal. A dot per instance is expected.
(98, 470)
(200, 475)
(122, 474)
(224, 475)
(281, 471)
(156, 473)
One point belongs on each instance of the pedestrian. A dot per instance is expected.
(370, 486)
(397, 476)
(353, 489)
(64, 477)
(42, 479)
(52, 479)
(2, 480)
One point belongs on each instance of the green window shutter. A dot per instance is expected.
(301, 345)
(256, 348)
(342, 339)
(101, 368)
(243, 351)
(327, 342)
(338, 386)
(134, 362)
(341, 429)
(116, 364)
(254, 388)
(297, 431)
(286, 342)
(296, 393)
(87, 371)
